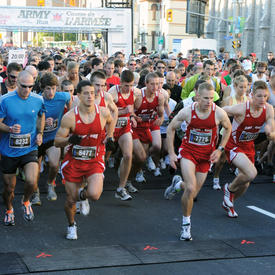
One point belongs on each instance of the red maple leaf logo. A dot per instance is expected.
(57, 17)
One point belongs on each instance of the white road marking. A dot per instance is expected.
(260, 210)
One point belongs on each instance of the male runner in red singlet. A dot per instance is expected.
(197, 150)
(123, 96)
(249, 117)
(148, 103)
(85, 158)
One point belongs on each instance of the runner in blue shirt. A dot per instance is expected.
(54, 104)
(22, 121)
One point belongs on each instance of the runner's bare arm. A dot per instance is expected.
(113, 93)
(110, 123)
(270, 124)
(67, 125)
(40, 124)
(235, 110)
(226, 124)
(166, 102)
(160, 110)
(227, 101)
(111, 106)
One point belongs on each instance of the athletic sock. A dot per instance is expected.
(186, 220)
(216, 180)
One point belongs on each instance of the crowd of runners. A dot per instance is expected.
(74, 111)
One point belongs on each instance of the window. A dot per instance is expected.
(195, 23)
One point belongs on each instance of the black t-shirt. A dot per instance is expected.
(175, 92)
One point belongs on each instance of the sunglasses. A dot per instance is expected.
(26, 86)
(13, 76)
(133, 64)
(171, 67)
(161, 67)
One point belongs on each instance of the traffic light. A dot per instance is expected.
(236, 44)
(72, 3)
(169, 15)
(40, 3)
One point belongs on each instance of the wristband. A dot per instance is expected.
(10, 129)
(221, 148)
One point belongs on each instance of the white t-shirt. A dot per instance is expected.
(255, 78)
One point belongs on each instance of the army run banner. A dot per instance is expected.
(63, 19)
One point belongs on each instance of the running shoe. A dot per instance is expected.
(140, 177)
(171, 191)
(28, 213)
(231, 213)
(157, 172)
(228, 196)
(150, 164)
(9, 218)
(122, 195)
(216, 186)
(130, 187)
(72, 232)
(51, 193)
(185, 234)
(36, 198)
(84, 207)
(162, 164)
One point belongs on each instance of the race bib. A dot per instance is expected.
(50, 128)
(20, 141)
(247, 136)
(145, 117)
(200, 138)
(83, 152)
(122, 122)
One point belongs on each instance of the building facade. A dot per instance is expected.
(162, 24)
(249, 21)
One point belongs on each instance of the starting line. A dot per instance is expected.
(262, 211)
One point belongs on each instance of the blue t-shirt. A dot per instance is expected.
(15, 110)
(55, 109)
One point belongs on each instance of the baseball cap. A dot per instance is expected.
(253, 54)
(247, 65)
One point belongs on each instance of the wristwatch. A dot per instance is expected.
(221, 148)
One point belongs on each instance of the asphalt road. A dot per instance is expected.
(142, 236)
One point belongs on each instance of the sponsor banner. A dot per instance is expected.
(64, 18)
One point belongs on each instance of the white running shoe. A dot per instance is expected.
(36, 198)
(150, 164)
(123, 195)
(84, 207)
(216, 186)
(157, 172)
(140, 177)
(72, 232)
(228, 196)
(130, 187)
(171, 191)
(111, 162)
(51, 193)
(185, 234)
(162, 164)
(231, 213)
